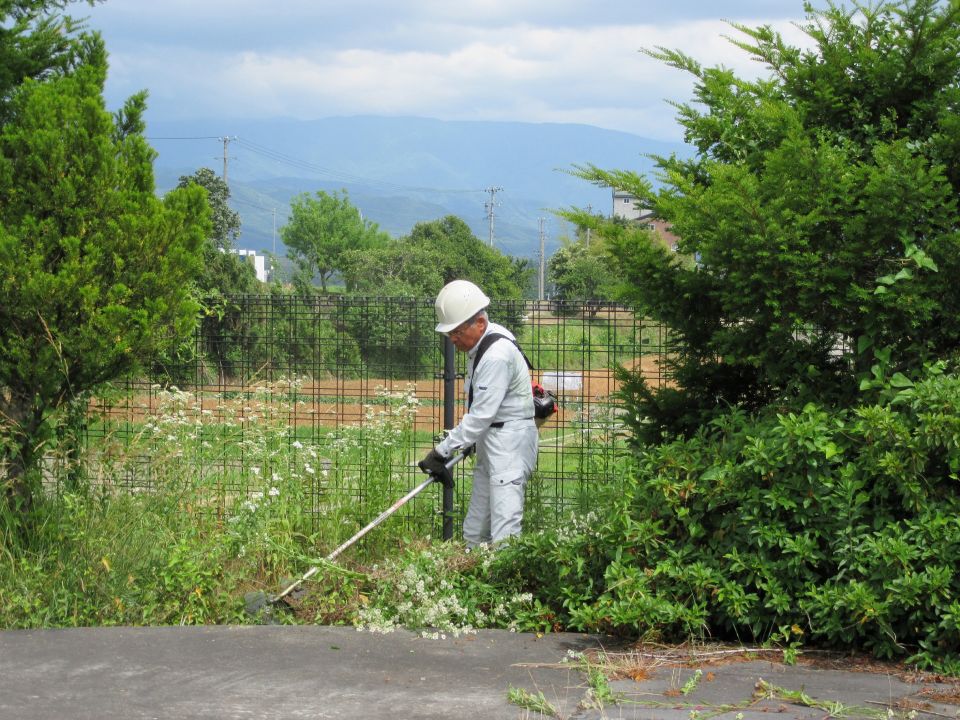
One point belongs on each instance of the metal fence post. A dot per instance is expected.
(449, 404)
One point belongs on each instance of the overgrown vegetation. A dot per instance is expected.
(806, 526)
(795, 483)
(175, 526)
(791, 528)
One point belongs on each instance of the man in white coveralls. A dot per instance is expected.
(499, 419)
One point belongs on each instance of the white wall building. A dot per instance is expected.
(625, 206)
(259, 263)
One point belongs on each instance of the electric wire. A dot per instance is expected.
(301, 164)
(340, 175)
(198, 137)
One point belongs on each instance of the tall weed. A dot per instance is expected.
(203, 505)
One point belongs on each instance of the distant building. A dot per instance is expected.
(626, 206)
(259, 263)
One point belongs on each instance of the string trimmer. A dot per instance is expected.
(258, 601)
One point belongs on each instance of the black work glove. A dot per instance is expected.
(435, 464)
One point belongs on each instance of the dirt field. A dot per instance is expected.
(337, 402)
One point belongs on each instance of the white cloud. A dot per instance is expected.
(446, 64)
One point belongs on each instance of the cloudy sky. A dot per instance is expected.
(525, 60)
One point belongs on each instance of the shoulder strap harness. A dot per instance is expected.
(485, 343)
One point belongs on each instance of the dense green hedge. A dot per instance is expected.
(835, 529)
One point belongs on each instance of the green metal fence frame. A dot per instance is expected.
(347, 347)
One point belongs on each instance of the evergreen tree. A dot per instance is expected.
(821, 205)
(96, 269)
(36, 41)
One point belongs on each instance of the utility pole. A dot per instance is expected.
(274, 232)
(590, 212)
(543, 259)
(226, 144)
(489, 206)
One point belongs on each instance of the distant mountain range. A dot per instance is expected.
(401, 171)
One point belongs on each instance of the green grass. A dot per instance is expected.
(584, 344)
(535, 702)
(173, 518)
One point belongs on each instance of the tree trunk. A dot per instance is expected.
(17, 493)
(20, 457)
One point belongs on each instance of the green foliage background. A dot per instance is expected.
(838, 529)
(821, 212)
(796, 481)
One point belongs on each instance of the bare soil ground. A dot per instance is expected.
(336, 402)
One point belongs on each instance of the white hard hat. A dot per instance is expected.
(457, 302)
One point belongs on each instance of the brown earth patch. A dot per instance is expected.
(336, 402)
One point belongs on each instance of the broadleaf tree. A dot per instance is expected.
(96, 269)
(322, 227)
(416, 267)
(434, 253)
(821, 206)
(580, 273)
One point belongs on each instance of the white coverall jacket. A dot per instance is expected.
(506, 456)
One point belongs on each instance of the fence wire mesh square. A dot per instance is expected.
(346, 394)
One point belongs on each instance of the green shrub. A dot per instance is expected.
(843, 527)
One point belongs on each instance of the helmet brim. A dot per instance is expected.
(446, 327)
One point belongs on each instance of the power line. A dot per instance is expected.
(341, 175)
(198, 137)
(251, 204)
(517, 210)
(299, 163)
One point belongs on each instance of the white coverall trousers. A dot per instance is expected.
(506, 458)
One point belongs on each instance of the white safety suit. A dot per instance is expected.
(507, 455)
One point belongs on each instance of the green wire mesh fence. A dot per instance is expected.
(344, 394)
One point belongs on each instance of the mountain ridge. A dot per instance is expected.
(402, 170)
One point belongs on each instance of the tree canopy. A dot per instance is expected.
(224, 273)
(321, 229)
(581, 273)
(96, 269)
(821, 204)
(36, 41)
(433, 254)
(224, 221)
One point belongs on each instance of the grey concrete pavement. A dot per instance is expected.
(759, 689)
(274, 672)
(268, 672)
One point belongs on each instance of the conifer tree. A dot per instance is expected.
(818, 220)
(96, 270)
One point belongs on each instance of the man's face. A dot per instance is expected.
(465, 336)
